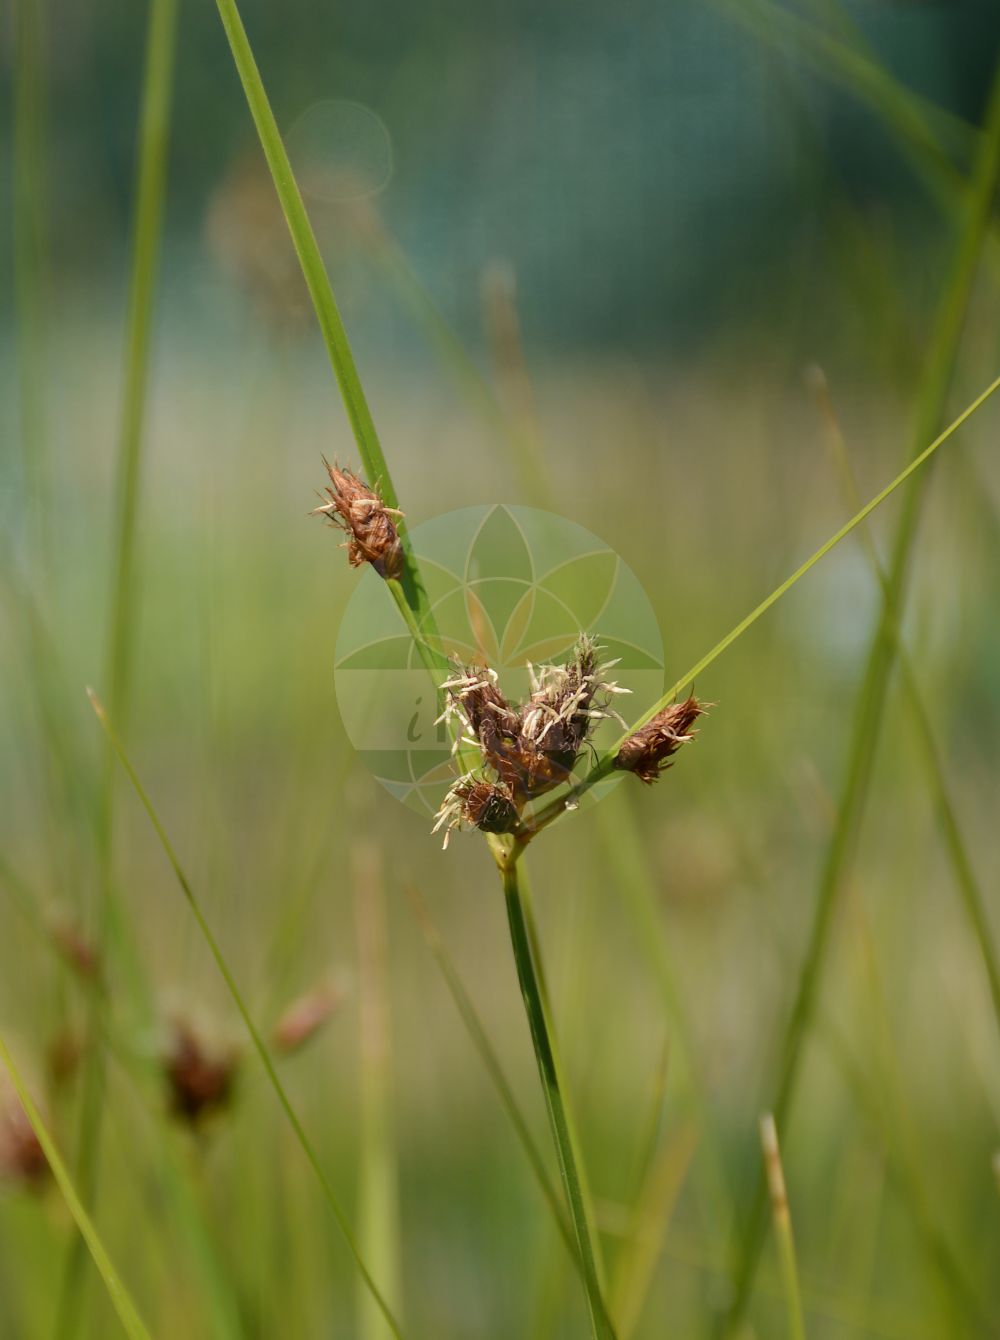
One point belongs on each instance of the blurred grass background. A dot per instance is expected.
(698, 203)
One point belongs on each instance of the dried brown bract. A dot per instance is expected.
(649, 750)
(488, 806)
(361, 514)
(22, 1159)
(200, 1078)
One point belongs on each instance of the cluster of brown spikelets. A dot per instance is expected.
(529, 748)
(361, 514)
(526, 748)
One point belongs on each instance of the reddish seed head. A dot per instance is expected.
(361, 514)
(304, 1017)
(200, 1080)
(77, 950)
(648, 751)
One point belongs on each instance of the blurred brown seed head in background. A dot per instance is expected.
(200, 1077)
(22, 1159)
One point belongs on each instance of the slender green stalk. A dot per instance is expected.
(605, 765)
(255, 1036)
(491, 1062)
(120, 1297)
(408, 593)
(147, 229)
(871, 699)
(538, 1025)
(307, 250)
(775, 1175)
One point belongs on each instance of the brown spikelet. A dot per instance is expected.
(361, 514)
(649, 750)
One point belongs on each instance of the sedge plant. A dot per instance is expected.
(524, 751)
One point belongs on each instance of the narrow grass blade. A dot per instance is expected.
(871, 699)
(480, 1040)
(534, 1007)
(605, 765)
(623, 846)
(409, 593)
(307, 249)
(379, 1189)
(778, 1193)
(510, 372)
(117, 1292)
(255, 1036)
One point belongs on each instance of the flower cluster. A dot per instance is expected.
(361, 514)
(526, 748)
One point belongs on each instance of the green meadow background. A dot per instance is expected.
(659, 268)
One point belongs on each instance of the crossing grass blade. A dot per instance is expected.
(120, 1297)
(255, 1036)
(955, 843)
(605, 765)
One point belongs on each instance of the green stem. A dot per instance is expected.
(487, 1053)
(558, 1120)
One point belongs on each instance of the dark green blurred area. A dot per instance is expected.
(650, 170)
